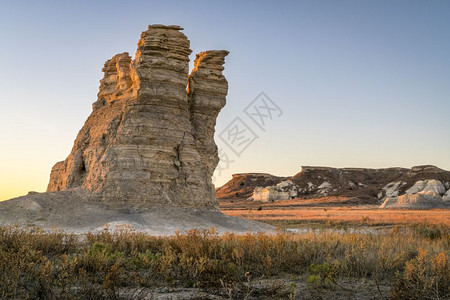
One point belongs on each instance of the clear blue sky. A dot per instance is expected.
(361, 83)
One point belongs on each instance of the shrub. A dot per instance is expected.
(426, 276)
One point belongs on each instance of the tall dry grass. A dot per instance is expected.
(39, 265)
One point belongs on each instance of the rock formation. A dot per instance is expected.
(242, 185)
(148, 145)
(423, 194)
(418, 187)
(148, 140)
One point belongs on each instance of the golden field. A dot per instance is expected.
(326, 211)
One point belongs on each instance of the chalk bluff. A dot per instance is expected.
(148, 145)
(421, 187)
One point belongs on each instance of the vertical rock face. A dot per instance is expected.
(207, 89)
(150, 137)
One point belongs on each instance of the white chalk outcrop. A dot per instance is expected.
(430, 193)
(324, 188)
(423, 186)
(446, 197)
(282, 191)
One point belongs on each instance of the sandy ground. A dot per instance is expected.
(72, 211)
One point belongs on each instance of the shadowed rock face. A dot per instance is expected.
(150, 137)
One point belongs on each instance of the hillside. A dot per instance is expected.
(364, 186)
(242, 185)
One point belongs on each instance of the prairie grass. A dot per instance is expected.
(54, 265)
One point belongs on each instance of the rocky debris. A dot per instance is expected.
(242, 185)
(425, 184)
(282, 191)
(147, 150)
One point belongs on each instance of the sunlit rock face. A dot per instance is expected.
(423, 194)
(150, 136)
(427, 186)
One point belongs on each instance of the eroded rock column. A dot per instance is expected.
(149, 140)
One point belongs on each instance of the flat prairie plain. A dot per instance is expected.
(330, 210)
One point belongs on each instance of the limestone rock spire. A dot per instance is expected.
(149, 140)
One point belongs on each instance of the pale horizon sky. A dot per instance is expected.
(360, 83)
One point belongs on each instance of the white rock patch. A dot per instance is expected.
(282, 191)
(446, 197)
(427, 193)
(324, 188)
(391, 189)
(425, 186)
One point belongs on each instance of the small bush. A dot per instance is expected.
(322, 275)
(426, 276)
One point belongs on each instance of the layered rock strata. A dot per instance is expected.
(145, 156)
(148, 139)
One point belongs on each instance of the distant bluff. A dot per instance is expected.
(146, 154)
(419, 187)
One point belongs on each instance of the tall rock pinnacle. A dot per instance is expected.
(150, 136)
(145, 156)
